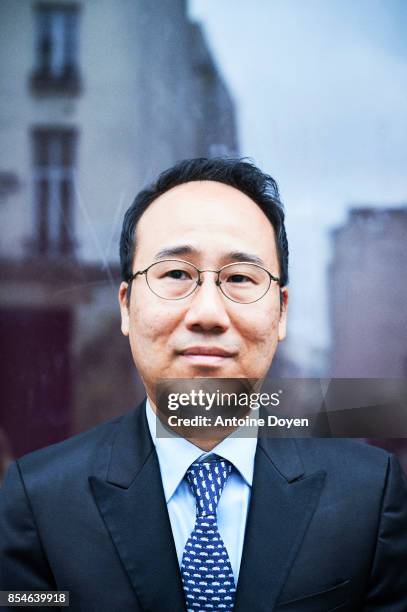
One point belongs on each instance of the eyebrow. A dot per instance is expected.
(187, 249)
(243, 256)
(183, 249)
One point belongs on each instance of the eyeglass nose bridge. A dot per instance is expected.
(199, 282)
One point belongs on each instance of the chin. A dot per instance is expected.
(211, 372)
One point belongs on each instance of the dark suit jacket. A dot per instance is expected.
(326, 529)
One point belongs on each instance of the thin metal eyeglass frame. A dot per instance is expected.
(199, 280)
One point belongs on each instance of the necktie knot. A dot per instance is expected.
(207, 480)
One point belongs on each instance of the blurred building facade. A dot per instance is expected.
(368, 294)
(96, 99)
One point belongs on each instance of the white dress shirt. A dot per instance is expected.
(175, 455)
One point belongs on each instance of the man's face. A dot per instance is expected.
(205, 223)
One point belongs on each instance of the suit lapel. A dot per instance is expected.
(281, 507)
(132, 504)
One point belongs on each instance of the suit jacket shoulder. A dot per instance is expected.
(82, 453)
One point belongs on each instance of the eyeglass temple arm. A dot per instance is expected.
(133, 276)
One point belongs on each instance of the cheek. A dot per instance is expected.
(150, 325)
(260, 339)
(262, 327)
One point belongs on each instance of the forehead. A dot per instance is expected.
(211, 217)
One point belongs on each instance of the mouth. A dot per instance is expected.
(206, 355)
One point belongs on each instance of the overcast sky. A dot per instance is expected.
(321, 93)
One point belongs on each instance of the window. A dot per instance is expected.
(56, 55)
(53, 159)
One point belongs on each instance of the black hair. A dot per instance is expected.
(238, 173)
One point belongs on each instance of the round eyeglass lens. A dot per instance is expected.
(172, 280)
(244, 283)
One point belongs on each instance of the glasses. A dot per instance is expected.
(175, 279)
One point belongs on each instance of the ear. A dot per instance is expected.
(124, 309)
(282, 324)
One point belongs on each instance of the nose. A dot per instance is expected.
(207, 310)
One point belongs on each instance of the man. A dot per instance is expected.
(126, 520)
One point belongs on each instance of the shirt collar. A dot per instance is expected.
(176, 454)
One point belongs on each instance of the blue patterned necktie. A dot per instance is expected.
(205, 569)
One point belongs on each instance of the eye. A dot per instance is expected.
(239, 278)
(178, 275)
